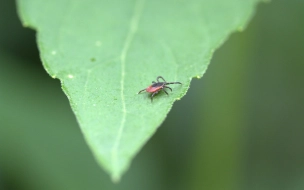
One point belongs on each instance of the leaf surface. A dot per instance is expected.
(104, 52)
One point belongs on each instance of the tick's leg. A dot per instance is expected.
(153, 95)
(160, 77)
(141, 91)
(165, 91)
(173, 83)
(168, 87)
(153, 82)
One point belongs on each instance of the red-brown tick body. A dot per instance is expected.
(157, 86)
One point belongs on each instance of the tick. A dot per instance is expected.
(155, 87)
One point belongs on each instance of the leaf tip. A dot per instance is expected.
(115, 178)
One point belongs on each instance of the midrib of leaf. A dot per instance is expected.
(139, 4)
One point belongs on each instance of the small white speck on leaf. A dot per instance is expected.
(240, 29)
(70, 76)
(98, 43)
(53, 52)
(25, 24)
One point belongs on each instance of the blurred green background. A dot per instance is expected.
(239, 127)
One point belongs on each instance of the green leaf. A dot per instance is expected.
(104, 52)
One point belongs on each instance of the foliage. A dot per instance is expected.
(104, 52)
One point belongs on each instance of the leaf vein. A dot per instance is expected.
(132, 30)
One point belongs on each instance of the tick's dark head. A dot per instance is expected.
(158, 84)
